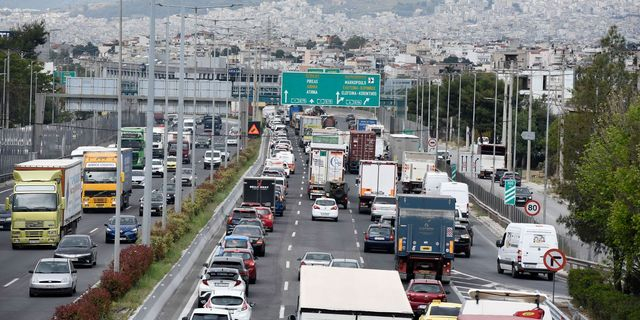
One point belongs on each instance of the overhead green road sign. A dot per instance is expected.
(330, 89)
(324, 70)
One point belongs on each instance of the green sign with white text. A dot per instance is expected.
(330, 89)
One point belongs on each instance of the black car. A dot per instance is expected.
(238, 214)
(5, 219)
(351, 117)
(171, 193)
(78, 248)
(498, 175)
(467, 225)
(157, 201)
(379, 237)
(462, 242)
(523, 194)
(203, 143)
(256, 235)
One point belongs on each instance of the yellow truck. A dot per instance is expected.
(45, 204)
(99, 178)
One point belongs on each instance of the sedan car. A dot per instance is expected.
(137, 179)
(171, 163)
(315, 259)
(203, 142)
(249, 261)
(5, 219)
(233, 301)
(157, 203)
(53, 275)
(217, 159)
(266, 216)
(324, 208)
(442, 311)
(523, 194)
(157, 167)
(462, 241)
(78, 248)
(421, 292)
(215, 279)
(128, 229)
(235, 242)
(345, 263)
(510, 176)
(379, 237)
(186, 177)
(255, 234)
(383, 205)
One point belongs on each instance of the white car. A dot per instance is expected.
(275, 162)
(315, 259)
(234, 301)
(53, 275)
(219, 279)
(217, 159)
(137, 179)
(232, 137)
(202, 313)
(157, 167)
(324, 208)
(345, 263)
(382, 205)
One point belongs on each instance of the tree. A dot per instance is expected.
(450, 59)
(335, 42)
(25, 39)
(279, 54)
(310, 44)
(89, 49)
(355, 42)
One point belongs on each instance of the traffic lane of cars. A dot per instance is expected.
(14, 299)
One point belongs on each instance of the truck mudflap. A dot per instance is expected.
(364, 204)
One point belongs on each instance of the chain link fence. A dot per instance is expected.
(59, 139)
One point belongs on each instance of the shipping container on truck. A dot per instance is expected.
(329, 293)
(158, 142)
(295, 122)
(307, 124)
(329, 121)
(362, 146)
(376, 178)
(46, 201)
(99, 179)
(292, 109)
(414, 167)
(260, 190)
(325, 166)
(484, 160)
(362, 123)
(398, 144)
(425, 236)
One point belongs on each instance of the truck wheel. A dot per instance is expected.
(500, 270)
(467, 253)
(372, 218)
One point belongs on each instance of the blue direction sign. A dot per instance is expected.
(330, 89)
(510, 192)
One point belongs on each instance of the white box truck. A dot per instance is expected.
(330, 294)
(399, 143)
(326, 166)
(414, 167)
(376, 178)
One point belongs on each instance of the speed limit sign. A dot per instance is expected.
(532, 208)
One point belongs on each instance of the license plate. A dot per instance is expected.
(34, 241)
(220, 284)
(123, 238)
(73, 259)
(378, 238)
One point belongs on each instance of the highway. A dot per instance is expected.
(14, 279)
(276, 291)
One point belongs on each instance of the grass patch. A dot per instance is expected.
(124, 307)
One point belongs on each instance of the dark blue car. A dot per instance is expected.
(5, 219)
(128, 229)
(379, 237)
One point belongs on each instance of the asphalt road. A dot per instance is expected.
(15, 302)
(276, 291)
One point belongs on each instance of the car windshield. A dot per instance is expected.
(157, 162)
(186, 171)
(385, 200)
(157, 197)
(247, 231)
(197, 316)
(74, 242)
(171, 159)
(262, 212)
(344, 264)
(226, 301)
(318, 256)
(235, 243)
(243, 255)
(53, 267)
(250, 222)
(99, 176)
(379, 232)
(171, 188)
(128, 221)
(243, 214)
(522, 190)
(26, 202)
(444, 311)
(138, 173)
(425, 288)
(325, 202)
(460, 231)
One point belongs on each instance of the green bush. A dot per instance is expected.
(591, 290)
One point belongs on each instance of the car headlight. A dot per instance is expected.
(109, 229)
(134, 230)
(8, 219)
(464, 236)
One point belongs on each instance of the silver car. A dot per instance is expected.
(382, 205)
(315, 259)
(53, 275)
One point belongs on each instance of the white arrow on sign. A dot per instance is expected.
(285, 95)
(311, 100)
(528, 135)
(365, 101)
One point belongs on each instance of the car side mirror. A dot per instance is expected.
(291, 317)
(74, 271)
(252, 304)
(94, 245)
(139, 225)
(499, 243)
(531, 192)
(447, 292)
(106, 225)
(185, 318)
(205, 264)
(299, 259)
(30, 271)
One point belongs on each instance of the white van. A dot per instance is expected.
(432, 181)
(521, 248)
(460, 191)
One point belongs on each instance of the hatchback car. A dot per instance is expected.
(157, 203)
(231, 262)
(266, 216)
(137, 179)
(216, 279)
(379, 237)
(523, 194)
(217, 159)
(383, 205)
(462, 241)
(238, 214)
(78, 248)
(171, 163)
(345, 263)
(421, 292)
(249, 261)
(53, 275)
(510, 176)
(252, 222)
(233, 301)
(315, 259)
(157, 167)
(256, 234)
(324, 208)
(128, 229)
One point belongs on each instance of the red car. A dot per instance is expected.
(266, 216)
(422, 291)
(250, 205)
(249, 261)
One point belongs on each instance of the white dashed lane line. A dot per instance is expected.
(296, 223)
(293, 234)
(286, 285)
(357, 244)
(288, 264)
(281, 312)
(94, 230)
(11, 282)
(289, 248)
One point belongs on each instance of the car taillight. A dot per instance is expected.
(366, 236)
(259, 242)
(302, 263)
(229, 219)
(519, 256)
(391, 237)
(316, 207)
(205, 282)
(245, 306)
(238, 282)
(334, 208)
(373, 207)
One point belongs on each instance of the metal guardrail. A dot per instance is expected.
(556, 313)
(167, 286)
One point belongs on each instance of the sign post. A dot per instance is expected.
(330, 89)
(454, 171)
(532, 208)
(510, 192)
(554, 260)
(432, 144)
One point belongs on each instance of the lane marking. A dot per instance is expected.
(357, 244)
(281, 312)
(302, 182)
(301, 195)
(94, 230)
(11, 189)
(301, 188)
(296, 223)
(293, 234)
(287, 265)
(350, 211)
(355, 231)
(298, 212)
(286, 285)
(299, 203)
(353, 220)
(361, 260)
(289, 247)
(11, 282)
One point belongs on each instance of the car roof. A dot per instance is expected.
(230, 259)
(379, 225)
(227, 292)
(235, 237)
(223, 269)
(243, 250)
(77, 236)
(244, 209)
(427, 281)
(123, 216)
(246, 226)
(53, 260)
(317, 252)
(325, 198)
(344, 260)
(221, 312)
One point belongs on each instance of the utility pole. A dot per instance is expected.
(30, 90)
(515, 124)
(446, 141)
(148, 148)
(116, 238)
(438, 116)
(459, 107)
(473, 122)
(165, 135)
(495, 115)
(195, 126)
(422, 117)
(529, 126)
(406, 107)
(508, 104)
(179, 146)
(546, 164)
(213, 116)
(561, 129)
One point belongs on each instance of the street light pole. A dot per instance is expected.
(458, 131)
(165, 135)
(473, 122)
(30, 91)
(495, 114)
(179, 145)
(446, 141)
(195, 94)
(546, 163)
(116, 232)
(429, 111)
(438, 117)
(529, 126)
(515, 123)
(148, 148)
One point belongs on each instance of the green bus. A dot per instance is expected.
(133, 137)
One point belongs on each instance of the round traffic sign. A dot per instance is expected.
(554, 260)
(532, 208)
(432, 143)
